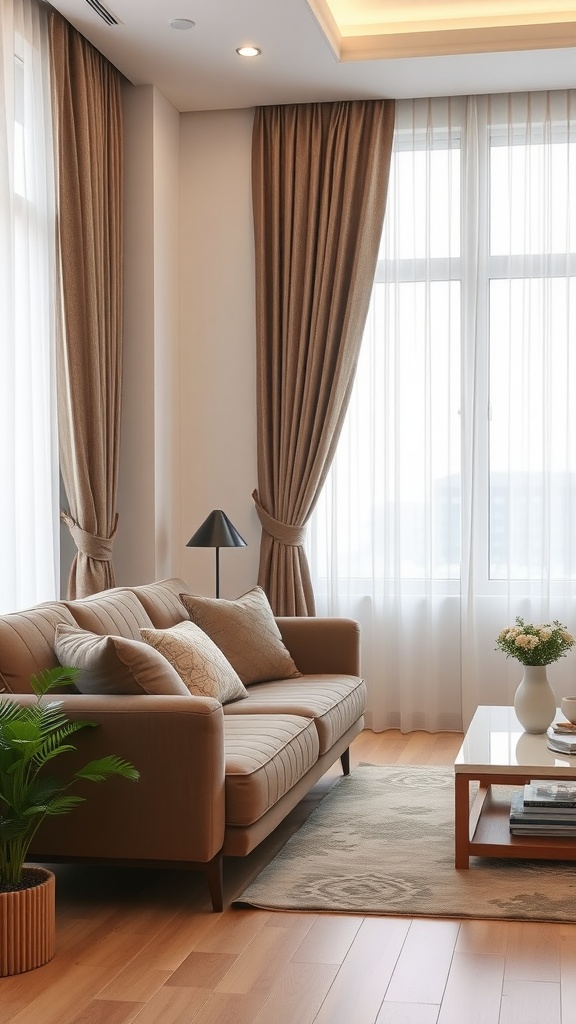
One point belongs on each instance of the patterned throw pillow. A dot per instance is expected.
(114, 664)
(246, 632)
(199, 662)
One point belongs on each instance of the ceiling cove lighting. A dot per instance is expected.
(248, 51)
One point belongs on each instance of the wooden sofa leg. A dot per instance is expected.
(345, 761)
(215, 878)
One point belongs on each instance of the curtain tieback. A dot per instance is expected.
(291, 536)
(98, 548)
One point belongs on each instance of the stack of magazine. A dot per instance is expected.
(562, 738)
(544, 807)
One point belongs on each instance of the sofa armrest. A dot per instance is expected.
(175, 812)
(320, 645)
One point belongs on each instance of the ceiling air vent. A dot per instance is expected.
(102, 12)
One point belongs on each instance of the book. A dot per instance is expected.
(560, 742)
(542, 830)
(562, 810)
(561, 728)
(561, 748)
(522, 815)
(550, 793)
(524, 822)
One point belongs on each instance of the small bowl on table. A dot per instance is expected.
(568, 706)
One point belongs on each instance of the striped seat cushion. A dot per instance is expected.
(333, 702)
(265, 756)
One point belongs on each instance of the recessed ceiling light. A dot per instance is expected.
(248, 51)
(183, 23)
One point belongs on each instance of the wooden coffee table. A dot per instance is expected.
(497, 751)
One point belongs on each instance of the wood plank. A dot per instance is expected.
(568, 973)
(232, 932)
(328, 940)
(530, 1002)
(429, 945)
(105, 1011)
(202, 970)
(298, 994)
(111, 948)
(478, 972)
(172, 1006)
(228, 1008)
(137, 981)
(63, 1000)
(408, 1013)
(533, 952)
(482, 937)
(417, 749)
(168, 948)
(257, 968)
(360, 985)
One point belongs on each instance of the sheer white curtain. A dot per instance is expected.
(451, 503)
(29, 523)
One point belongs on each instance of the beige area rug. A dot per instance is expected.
(382, 842)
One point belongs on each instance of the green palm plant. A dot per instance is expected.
(31, 736)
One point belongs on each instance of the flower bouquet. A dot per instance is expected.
(535, 644)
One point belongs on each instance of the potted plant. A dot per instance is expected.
(31, 736)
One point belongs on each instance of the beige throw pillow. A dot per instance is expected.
(199, 662)
(246, 632)
(114, 664)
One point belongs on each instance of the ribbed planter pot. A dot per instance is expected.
(28, 924)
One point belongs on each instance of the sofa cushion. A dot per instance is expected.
(27, 644)
(333, 702)
(265, 756)
(162, 602)
(246, 632)
(117, 611)
(115, 664)
(199, 662)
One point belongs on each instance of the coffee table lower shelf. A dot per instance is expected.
(483, 829)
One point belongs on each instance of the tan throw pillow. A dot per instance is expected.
(199, 663)
(114, 664)
(246, 633)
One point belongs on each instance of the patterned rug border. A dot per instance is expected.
(388, 850)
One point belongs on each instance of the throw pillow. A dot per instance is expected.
(114, 664)
(246, 633)
(199, 662)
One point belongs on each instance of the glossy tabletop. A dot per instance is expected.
(496, 742)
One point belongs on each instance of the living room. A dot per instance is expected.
(189, 444)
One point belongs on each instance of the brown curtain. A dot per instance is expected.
(88, 125)
(319, 181)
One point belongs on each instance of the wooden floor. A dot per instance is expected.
(144, 947)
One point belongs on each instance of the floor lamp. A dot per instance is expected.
(217, 532)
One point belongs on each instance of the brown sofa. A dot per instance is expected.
(215, 780)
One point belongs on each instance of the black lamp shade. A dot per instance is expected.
(216, 532)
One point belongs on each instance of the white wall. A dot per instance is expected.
(189, 418)
(134, 547)
(217, 343)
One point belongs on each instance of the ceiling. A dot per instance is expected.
(320, 50)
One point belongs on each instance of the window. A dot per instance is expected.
(28, 461)
(451, 502)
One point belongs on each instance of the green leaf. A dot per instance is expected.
(97, 771)
(49, 678)
(43, 789)
(64, 804)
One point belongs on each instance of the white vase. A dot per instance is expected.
(535, 700)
